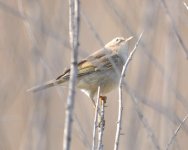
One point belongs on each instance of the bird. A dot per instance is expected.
(100, 69)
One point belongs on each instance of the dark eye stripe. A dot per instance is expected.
(119, 40)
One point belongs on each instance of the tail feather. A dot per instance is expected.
(42, 87)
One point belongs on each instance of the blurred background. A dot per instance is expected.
(34, 48)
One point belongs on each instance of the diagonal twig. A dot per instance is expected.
(120, 111)
(176, 132)
(142, 118)
(174, 27)
(92, 28)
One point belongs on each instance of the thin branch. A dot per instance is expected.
(176, 132)
(83, 134)
(21, 15)
(119, 122)
(119, 16)
(185, 5)
(95, 120)
(152, 103)
(147, 126)
(92, 28)
(142, 118)
(174, 27)
(10, 10)
(101, 126)
(74, 34)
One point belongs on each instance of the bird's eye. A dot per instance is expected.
(117, 40)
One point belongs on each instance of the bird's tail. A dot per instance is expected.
(44, 86)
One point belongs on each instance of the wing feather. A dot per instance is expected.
(100, 60)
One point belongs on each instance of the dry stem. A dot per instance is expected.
(74, 34)
(176, 132)
(119, 121)
(95, 120)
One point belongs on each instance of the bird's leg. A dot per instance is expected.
(101, 121)
(103, 98)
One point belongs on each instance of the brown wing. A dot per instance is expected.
(105, 59)
(100, 60)
(66, 73)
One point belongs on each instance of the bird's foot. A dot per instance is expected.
(103, 99)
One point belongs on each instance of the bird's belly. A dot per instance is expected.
(107, 81)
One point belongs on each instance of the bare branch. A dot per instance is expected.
(176, 132)
(119, 122)
(95, 120)
(101, 126)
(74, 34)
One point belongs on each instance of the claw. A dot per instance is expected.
(103, 98)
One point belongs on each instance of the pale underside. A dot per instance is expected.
(107, 81)
(104, 72)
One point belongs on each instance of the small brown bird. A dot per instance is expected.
(102, 68)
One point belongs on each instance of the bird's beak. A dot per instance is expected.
(128, 39)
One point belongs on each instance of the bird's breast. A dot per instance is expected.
(107, 81)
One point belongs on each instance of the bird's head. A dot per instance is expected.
(120, 45)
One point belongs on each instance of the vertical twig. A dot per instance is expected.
(74, 34)
(176, 132)
(101, 126)
(119, 122)
(96, 120)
